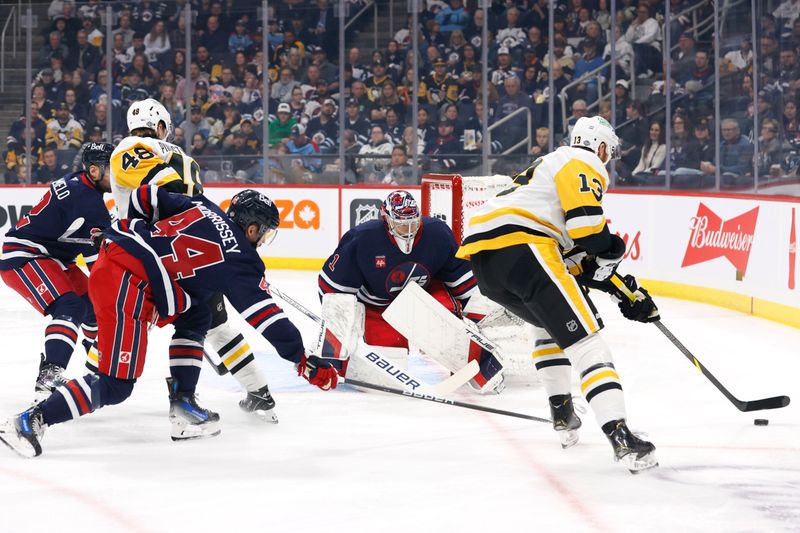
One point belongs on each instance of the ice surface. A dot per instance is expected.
(355, 461)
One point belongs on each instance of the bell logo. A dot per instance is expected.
(712, 237)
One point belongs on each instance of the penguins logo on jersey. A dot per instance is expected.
(405, 273)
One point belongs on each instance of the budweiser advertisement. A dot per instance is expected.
(712, 237)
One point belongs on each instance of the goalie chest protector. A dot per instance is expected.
(368, 263)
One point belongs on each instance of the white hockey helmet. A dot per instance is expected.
(147, 114)
(590, 132)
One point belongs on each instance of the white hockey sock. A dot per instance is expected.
(552, 364)
(237, 356)
(600, 383)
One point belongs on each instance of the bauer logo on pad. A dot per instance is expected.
(712, 237)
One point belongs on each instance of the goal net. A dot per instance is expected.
(453, 198)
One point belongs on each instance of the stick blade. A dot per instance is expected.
(775, 402)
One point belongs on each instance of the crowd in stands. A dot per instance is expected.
(219, 104)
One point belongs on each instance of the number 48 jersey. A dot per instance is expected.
(147, 161)
(559, 197)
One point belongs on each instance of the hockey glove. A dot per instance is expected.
(642, 309)
(605, 263)
(318, 372)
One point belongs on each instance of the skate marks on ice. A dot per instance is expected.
(772, 492)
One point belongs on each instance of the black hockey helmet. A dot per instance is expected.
(97, 154)
(251, 207)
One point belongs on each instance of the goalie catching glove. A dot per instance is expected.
(641, 308)
(318, 371)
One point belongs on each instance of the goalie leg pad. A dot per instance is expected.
(342, 326)
(600, 383)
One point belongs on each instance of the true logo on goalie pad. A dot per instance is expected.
(392, 370)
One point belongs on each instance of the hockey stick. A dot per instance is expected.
(441, 400)
(219, 368)
(776, 402)
(404, 377)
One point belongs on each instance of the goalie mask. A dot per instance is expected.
(400, 213)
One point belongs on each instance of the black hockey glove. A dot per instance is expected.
(642, 309)
(605, 263)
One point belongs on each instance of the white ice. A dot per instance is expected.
(354, 461)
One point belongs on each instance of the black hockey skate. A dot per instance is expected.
(636, 454)
(565, 421)
(23, 432)
(50, 377)
(261, 404)
(189, 420)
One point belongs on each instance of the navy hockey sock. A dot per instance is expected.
(83, 395)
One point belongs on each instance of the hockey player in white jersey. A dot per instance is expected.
(515, 242)
(147, 157)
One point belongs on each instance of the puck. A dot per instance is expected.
(761, 422)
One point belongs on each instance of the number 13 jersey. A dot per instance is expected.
(147, 161)
(559, 197)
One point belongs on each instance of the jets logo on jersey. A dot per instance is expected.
(263, 285)
(380, 261)
(405, 273)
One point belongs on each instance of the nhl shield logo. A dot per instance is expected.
(572, 326)
(380, 261)
(363, 210)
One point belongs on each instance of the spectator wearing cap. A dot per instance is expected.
(505, 68)
(356, 122)
(280, 127)
(622, 95)
(51, 168)
(281, 90)
(85, 56)
(446, 152)
(589, 61)
(321, 26)
(136, 47)
(195, 76)
(124, 29)
(327, 70)
(624, 52)
(324, 128)
(683, 56)
(50, 89)
(93, 33)
(196, 123)
(243, 158)
(207, 63)
(299, 144)
(452, 17)
(64, 133)
(705, 142)
(439, 87)
(240, 40)
(54, 46)
(252, 137)
(231, 118)
(375, 82)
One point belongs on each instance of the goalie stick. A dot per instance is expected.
(404, 377)
(775, 402)
(441, 400)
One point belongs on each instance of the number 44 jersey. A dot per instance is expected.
(147, 161)
(558, 197)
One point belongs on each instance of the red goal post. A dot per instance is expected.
(452, 197)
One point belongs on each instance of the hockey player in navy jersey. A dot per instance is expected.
(39, 257)
(167, 260)
(376, 259)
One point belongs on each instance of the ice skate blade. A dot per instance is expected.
(636, 465)
(21, 446)
(267, 416)
(568, 437)
(181, 432)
